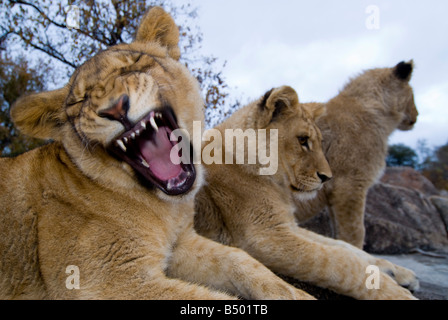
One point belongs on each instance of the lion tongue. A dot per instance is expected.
(156, 152)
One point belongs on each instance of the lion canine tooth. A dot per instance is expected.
(153, 124)
(145, 163)
(121, 145)
(143, 124)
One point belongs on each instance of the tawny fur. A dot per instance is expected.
(241, 208)
(355, 131)
(70, 203)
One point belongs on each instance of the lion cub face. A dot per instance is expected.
(122, 105)
(390, 90)
(405, 96)
(131, 114)
(301, 159)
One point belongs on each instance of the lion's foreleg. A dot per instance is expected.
(200, 260)
(286, 251)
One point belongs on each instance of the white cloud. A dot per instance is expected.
(317, 46)
(317, 70)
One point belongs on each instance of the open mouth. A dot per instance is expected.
(406, 126)
(294, 188)
(147, 148)
(302, 194)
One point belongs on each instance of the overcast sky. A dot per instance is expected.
(316, 46)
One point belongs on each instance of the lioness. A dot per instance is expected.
(102, 213)
(355, 131)
(239, 207)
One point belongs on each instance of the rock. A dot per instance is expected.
(317, 292)
(321, 223)
(431, 270)
(403, 211)
(409, 178)
(441, 203)
(399, 219)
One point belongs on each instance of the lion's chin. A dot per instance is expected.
(406, 127)
(305, 195)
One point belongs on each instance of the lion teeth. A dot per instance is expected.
(145, 163)
(125, 140)
(143, 124)
(121, 145)
(133, 135)
(154, 124)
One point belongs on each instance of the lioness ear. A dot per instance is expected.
(158, 26)
(403, 70)
(316, 110)
(40, 115)
(278, 101)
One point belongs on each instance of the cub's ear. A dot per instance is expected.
(316, 110)
(158, 26)
(40, 115)
(278, 101)
(403, 70)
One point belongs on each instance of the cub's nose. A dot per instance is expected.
(118, 112)
(323, 177)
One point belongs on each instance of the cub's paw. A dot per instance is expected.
(403, 276)
(406, 278)
(390, 290)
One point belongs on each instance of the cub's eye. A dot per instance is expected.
(304, 141)
(73, 101)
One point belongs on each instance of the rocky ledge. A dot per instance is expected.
(406, 221)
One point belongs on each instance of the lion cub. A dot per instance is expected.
(239, 207)
(355, 132)
(102, 212)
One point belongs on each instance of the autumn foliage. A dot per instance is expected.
(32, 29)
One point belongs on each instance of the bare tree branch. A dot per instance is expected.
(49, 51)
(118, 25)
(3, 38)
(40, 11)
(51, 21)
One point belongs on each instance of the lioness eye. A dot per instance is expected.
(303, 141)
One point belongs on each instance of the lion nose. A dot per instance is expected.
(118, 111)
(323, 177)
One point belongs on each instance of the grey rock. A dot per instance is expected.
(403, 214)
(407, 177)
(399, 220)
(441, 203)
